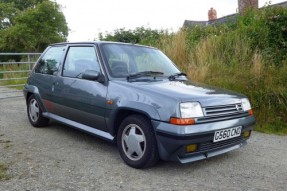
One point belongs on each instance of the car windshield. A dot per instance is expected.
(126, 60)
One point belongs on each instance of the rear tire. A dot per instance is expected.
(137, 143)
(34, 112)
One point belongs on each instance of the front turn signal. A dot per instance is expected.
(182, 121)
(250, 112)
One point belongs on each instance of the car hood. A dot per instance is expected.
(184, 91)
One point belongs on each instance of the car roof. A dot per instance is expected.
(99, 42)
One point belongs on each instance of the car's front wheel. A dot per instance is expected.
(35, 113)
(136, 142)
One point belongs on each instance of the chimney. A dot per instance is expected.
(243, 5)
(212, 14)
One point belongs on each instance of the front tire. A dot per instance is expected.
(136, 142)
(34, 112)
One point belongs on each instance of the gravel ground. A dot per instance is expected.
(60, 158)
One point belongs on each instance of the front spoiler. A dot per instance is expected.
(173, 139)
(210, 154)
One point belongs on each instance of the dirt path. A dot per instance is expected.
(60, 158)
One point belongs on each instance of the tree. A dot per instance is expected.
(9, 9)
(30, 25)
(23, 4)
(7, 12)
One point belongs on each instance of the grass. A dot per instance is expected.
(8, 146)
(4, 167)
(21, 73)
(9, 68)
(227, 61)
(7, 143)
(247, 56)
(3, 172)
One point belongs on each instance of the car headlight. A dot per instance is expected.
(191, 110)
(245, 104)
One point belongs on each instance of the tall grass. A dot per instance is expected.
(228, 61)
(15, 71)
(9, 75)
(248, 56)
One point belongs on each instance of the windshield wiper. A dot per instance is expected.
(143, 74)
(174, 76)
(78, 75)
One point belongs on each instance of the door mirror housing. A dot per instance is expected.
(93, 76)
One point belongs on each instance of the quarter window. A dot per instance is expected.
(49, 63)
(80, 59)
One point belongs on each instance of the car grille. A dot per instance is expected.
(207, 146)
(222, 109)
(222, 112)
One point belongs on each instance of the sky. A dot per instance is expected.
(87, 18)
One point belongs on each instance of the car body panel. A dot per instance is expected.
(159, 94)
(82, 100)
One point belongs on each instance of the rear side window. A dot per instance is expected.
(49, 63)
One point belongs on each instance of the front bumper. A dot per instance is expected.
(173, 139)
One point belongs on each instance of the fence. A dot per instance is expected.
(14, 71)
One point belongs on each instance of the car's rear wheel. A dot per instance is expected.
(136, 142)
(35, 113)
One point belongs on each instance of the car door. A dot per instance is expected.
(45, 74)
(81, 100)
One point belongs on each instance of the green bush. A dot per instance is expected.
(140, 35)
(267, 31)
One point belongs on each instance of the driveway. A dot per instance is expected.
(60, 158)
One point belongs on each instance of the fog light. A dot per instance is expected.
(191, 148)
(246, 134)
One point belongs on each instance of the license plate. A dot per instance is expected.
(227, 134)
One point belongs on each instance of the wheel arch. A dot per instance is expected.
(33, 90)
(28, 95)
(122, 113)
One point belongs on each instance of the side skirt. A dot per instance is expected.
(101, 134)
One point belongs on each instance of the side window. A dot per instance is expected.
(49, 63)
(80, 59)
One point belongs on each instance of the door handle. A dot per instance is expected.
(53, 85)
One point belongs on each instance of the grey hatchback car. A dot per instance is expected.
(136, 97)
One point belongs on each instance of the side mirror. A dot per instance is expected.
(93, 76)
